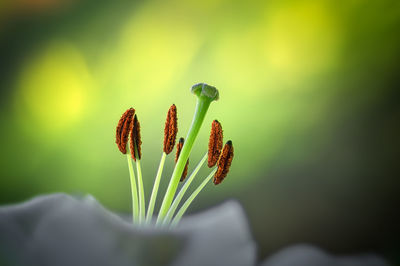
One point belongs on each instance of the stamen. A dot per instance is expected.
(224, 163)
(136, 140)
(215, 143)
(123, 128)
(170, 130)
(178, 152)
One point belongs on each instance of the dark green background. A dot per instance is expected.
(308, 94)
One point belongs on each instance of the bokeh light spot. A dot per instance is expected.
(300, 39)
(53, 88)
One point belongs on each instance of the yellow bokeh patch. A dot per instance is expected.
(53, 89)
(301, 38)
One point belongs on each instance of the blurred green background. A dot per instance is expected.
(307, 95)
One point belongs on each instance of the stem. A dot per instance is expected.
(202, 105)
(153, 197)
(184, 207)
(135, 206)
(142, 208)
(179, 197)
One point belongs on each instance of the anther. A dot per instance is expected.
(178, 152)
(224, 163)
(215, 143)
(170, 130)
(136, 140)
(123, 128)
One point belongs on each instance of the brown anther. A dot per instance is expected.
(170, 130)
(178, 152)
(224, 163)
(185, 171)
(179, 146)
(215, 143)
(136, 140)
(123, 128)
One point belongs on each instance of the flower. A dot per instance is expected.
(308, 255)
(62, 230)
